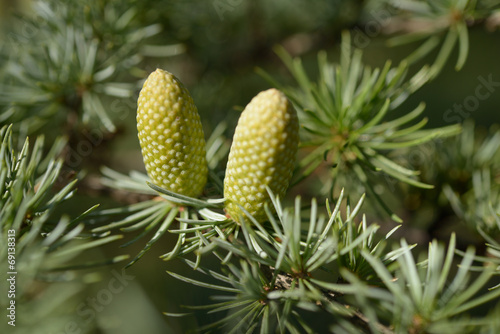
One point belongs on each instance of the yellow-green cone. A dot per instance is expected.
(262, 154)
(171, 135)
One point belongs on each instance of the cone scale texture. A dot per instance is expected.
(171, 135)
(262, 154)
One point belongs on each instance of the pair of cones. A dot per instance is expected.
(172, 142)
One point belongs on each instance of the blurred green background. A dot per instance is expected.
(219, 44)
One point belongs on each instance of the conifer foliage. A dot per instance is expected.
(320, 195)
